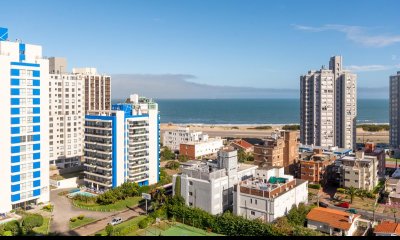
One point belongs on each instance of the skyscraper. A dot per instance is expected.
(394, 110)
(67, 114)
(97, 89)
(328, 106)
(122, 145)
(24, 148)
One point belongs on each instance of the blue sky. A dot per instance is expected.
(221, 42)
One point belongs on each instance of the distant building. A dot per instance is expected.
(269, 195)
(395, 110)
(358, 171)
(316, 167)
(338, 152)
(209, 184)
(240, 144)
(195, 150)
(122, 145)
(328, 106)
(387, 228)
(173, 138)
(335, 222)
(67, 115)
(370, 149)
(97, 89)
(279, 150)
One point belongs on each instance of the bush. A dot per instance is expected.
(144, 223)
(314, 186)
(167, 154)
(341, 190)
(31, 221)
(172, 165)
(72, 219)
(81, 217)
(291, 127)
(183, 158)
(13, 227)
(110, 230)
(8, 234)
(63, 193)
(48, 208)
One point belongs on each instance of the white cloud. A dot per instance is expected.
(354, 33)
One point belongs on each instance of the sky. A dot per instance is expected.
(238, 43)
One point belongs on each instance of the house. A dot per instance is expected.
(334, 222)
(387, 228)
(240, 144)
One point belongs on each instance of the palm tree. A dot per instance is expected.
(351, 192)
(160, 196)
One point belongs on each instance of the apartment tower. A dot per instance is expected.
(97, 89)
(24, 91)
(67, 114)
(394, 110)
(328, 106)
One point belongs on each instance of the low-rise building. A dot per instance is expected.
(336, 223)
(316, 167)
(240, 144)
(269, 195)
(173, 138)
(358, 171)
(209, 184)
(195, 150)
(371, 149)
(387, 228)
(338, 152)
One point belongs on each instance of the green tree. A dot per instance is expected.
(351, 192)
(172, 165)
(167, 154)
(242, 156)
(31, 221)
(110, 230)
(283, 227)
(14, 227)
(183, 158)
(297, 215)
(178, 186)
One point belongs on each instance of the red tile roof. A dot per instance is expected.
(334, 218)
(243, 143)
(388, 227)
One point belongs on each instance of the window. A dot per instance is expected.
(252, 213)
(190, 194)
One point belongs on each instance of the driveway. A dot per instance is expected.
(64, 210)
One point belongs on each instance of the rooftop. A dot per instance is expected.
(243, 143)
(334, 218)
(388, 227)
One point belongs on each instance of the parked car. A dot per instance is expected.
(115, 221)
(324, 205)
(343, 205)
(352, 210)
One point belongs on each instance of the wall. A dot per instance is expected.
(66, 183)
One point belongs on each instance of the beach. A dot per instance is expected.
(246, 131)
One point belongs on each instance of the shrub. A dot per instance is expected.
(13, 227)
(72, 219)
(8, 234)
(63, 193)
(110, 230)
(183, 158)
(144, 223)
(314, 186)
(167, 154)
(81, 217)
(341, 190)
(31, 221)
(172, 165)
(48, 208)
(291, 127)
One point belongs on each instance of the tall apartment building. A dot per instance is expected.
(268, 195)
(395, 110)
(279, 150)
(122, 145)
(173, 139)
(328, 106)
(67, 114)
(97, 89)
(209, 185)
(24, 96)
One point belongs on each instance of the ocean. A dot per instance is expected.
(254, 111)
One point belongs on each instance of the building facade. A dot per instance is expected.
(122, 145)
(209, 185)
(24, 92)
(328, 106)
(97, 89)
(269, 195)
(173, 139)
(67, 114)
(195, 150)
(316, 167)
(394, 110)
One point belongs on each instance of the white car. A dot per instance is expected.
(115, 221)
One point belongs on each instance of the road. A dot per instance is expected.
(366, 214)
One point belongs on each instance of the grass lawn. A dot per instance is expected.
(178, 229)
(44, 229)
(359, 203)
(80, 223)
(130, 223)
(118, 206)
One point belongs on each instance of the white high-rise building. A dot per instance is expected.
(328, 106)
(24, 148)
(67, 114)
(394, 110)
(173, 139)
(97, 89)
(123, 145)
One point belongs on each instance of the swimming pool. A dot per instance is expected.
(87, 194)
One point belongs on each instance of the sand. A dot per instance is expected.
(242, 131)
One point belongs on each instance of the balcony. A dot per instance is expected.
(99, 175)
